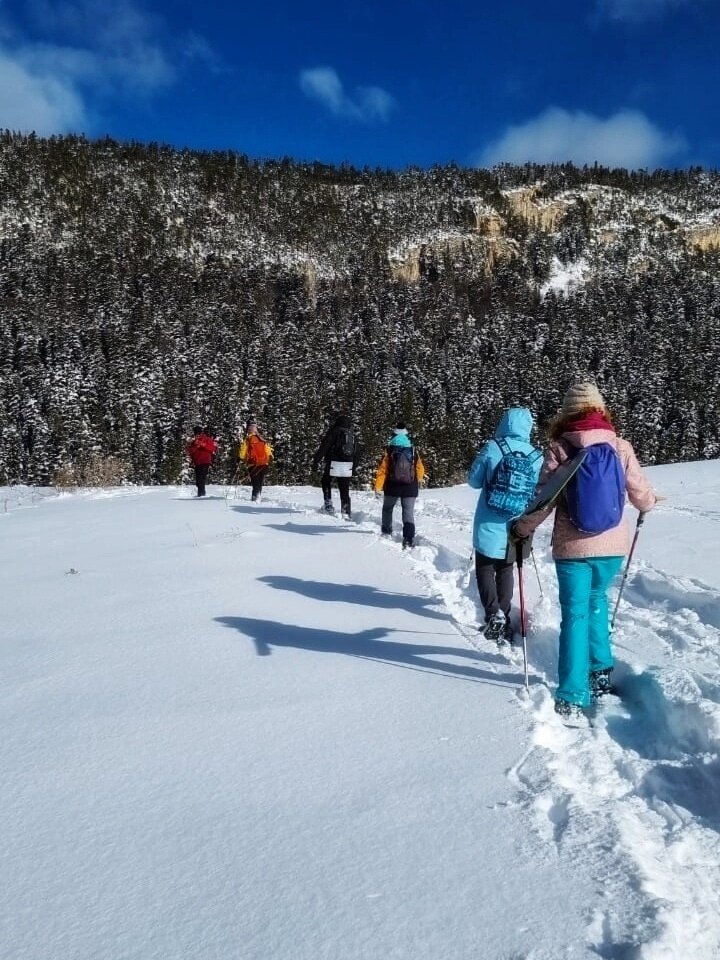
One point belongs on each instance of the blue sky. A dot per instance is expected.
(624, 82)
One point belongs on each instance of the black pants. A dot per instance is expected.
(495, 584)
(257, 478)
(343, 484)
(201, 473)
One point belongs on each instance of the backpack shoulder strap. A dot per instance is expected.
(504, 446)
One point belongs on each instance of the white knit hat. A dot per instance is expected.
(580, 398)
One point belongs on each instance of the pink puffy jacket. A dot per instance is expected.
(568, 542)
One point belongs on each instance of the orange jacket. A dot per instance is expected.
(255, 451)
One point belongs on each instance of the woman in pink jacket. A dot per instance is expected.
(586, 563)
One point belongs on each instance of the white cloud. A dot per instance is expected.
(367, 104)
(43, 104)
(636, 11)
(626, 139)
(109, 43)
(77, 57)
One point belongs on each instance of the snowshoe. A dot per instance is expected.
(568, 711)
(328, 507)
(408, 544)
(495, 627)
(600, 685)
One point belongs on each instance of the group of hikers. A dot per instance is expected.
(590, 535)
(398, 477)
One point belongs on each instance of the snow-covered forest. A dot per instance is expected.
(143, 289)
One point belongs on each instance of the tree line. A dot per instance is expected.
(145, 289)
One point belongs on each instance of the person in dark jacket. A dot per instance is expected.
(400, 472)
(201, 450)
(339, 450)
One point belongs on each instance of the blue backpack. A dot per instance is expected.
(595, 496)
(513, 482)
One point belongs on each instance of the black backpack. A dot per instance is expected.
(402, 464)
(343, 445)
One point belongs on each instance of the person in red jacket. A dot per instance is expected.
(201, 450)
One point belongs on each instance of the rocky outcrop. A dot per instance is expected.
(410, 262)
(489, 224)
(545, 215)
(704, 238)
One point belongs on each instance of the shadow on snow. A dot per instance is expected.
(259, 508)
(355, 593)
(366, 645)
(309, 529)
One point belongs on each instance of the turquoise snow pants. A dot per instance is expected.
(584, 633)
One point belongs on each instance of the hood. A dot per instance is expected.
(400, 439)
(516, 422)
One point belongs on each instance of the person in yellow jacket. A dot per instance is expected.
(256, 453)
(398, 477)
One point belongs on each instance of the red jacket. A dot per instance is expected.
(202, 449)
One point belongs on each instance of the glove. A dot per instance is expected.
(514, 536)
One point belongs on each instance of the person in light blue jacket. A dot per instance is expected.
(506, 473)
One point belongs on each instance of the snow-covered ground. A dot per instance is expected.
(259, 732)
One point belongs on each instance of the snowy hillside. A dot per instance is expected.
(259, 732)
(145, 290)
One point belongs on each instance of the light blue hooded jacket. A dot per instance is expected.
(490, 527)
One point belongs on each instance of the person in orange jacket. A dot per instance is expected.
(399, 475)
(256, 453)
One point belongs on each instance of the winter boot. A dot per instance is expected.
(329, 508)
(408, 544)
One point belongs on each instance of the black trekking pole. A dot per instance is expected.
(519, 547)
(640, 521)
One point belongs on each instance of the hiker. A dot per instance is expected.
(256, 453)
(400, 472)
(506, 473)
(201, 450)
(340, 451)
(587, 562)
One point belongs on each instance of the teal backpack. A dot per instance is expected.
(514, 480)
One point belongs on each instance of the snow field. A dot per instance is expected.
(258, 731)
